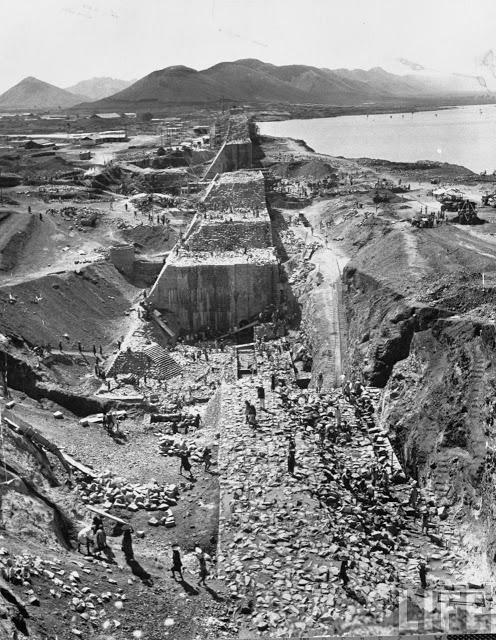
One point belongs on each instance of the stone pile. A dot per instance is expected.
(170, 446)
(84, 216)
(114, 492)
(85, 602)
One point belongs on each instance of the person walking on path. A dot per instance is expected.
(202, 570)
(177, 563)
(185, 463)
(291, 455)
(422, 569)
(319, 383)
(207, 458)
(127, 542)
(261, 397)
(343, 572)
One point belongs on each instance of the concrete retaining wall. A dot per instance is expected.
(231, 157)
(218, 296)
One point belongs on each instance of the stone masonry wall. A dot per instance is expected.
(229, 236)
(218, 296)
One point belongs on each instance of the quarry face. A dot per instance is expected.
(254, 364)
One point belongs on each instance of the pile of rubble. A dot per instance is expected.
(83, 216)
(114, 492)
(90, 606)
(169, 446)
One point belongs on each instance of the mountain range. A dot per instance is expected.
(247, 80)
(251, 81)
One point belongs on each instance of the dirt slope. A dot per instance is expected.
(89, 306)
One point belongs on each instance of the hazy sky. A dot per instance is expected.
(64, 41)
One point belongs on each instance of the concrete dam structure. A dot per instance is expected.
(225, 270)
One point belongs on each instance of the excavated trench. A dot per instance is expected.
(437, 369)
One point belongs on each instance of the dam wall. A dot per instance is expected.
(232, 156)
(218, 296)
(224, 271)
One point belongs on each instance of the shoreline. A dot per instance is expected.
(280, 112)
(301, 152)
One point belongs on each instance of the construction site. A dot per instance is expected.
(265, 374)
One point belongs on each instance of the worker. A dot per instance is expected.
(320, 381)
(177, 564)
(261, 397)
(425, 520)
(127, 542)
(101, 540)
(422, 569)
(202, 559)
(291, 455)
(207, 458)
(343, 572)
(96, 523)
(185, 463)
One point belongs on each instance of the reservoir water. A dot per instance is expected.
(459, 135)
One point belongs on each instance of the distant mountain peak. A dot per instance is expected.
(35, 94)
(99, 87)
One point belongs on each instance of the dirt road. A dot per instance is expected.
(324, 302)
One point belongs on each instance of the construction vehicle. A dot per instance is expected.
(450, 199)
(489, 200)
(467, 213)
(423, 222)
